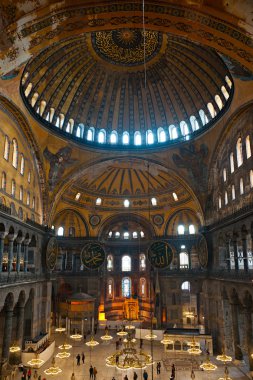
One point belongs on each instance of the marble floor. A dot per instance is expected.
(96, 357)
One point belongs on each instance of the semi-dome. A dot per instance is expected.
(127, 87)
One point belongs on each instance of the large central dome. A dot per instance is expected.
(127, 87)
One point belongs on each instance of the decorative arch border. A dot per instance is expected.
(86, 227)
(17, 116)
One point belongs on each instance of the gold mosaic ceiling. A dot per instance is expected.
(98, 80)
(129, 178)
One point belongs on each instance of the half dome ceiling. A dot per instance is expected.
(96, 88)
(129, 179)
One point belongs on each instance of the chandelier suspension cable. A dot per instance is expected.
(144, 42)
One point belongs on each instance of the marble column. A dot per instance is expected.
(235, 329)
(2, 236)
(228, 261)
(26, 244)
(10, 252)
(235, 253)
(7, 334)
(19, 242)
(245, 254)
(20, 324)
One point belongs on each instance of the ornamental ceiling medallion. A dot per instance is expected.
(51, 253)
(160, 254)
(126, 46)
(92, 255)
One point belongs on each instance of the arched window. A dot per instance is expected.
(13, 187)
(28, 198)
(184, 128)
(173, 132)
(43, 104)
(77, 197)
(142, 287)
(194, 123)
(20, 213)
(161, 136)
(15, 153)
(22, 165)
(239, 152)
(28, 89)
(117, 234)
(175, 197)
(241, 186)
(219, 201)
(232, 164)
(180, 229)
(154, 201)
(126, 203)
(114, 137)
(60, 231)
(184, 260)
(125, 138)
(21, 193)
(142, 262)
(218, 101)
(6, 148)
(149, 137)
(126, 263)
(90, 134)
(203, 117)
(225, 93)
(98, 201)
(211, 109)
(137, 138)
(126, 235)
(72, 231)
(79, 130)
(233, 192)
(29, 176)
(191, 229)
(142, 234)
(60, 121)
(110, 288)
(226, 197)
(3, 181)
(102, 136)
(229, 82)
(251, 178)
(34, 99)
(109, 263)
(224, 175)
(186, 286)
(33, 204)
(135, 235)
(248, 147)
(126, 287)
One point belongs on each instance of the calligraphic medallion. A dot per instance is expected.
(92, 255)
(202, 252)
(160, 254)
(51, 253)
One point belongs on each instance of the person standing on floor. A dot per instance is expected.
(145, 375)
(83, 357)
(29, 373)
(78, 358)
(135, 376)
(91, 372)
(72, 377)
(158, 368)
(95, 373)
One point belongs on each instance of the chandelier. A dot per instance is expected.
(194, 347)
(63, 355)
(36, 362)
(122, 333)
(129, 357)
(208, 366)
(54, 370)
(76, 336)
(92, 342)
(60, 329)
(226, 375)
(14, 348)
(166, 339)
(150, 336)
(65, 346)
(106, 337)
(224, 358)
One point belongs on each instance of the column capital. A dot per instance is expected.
(27, 241)
(11, 237)
(3, 234)
(20, 239)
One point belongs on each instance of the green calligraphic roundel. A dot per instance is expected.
(160, 254)
(92, 255)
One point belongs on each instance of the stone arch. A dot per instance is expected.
(185, 216)
(80, 224)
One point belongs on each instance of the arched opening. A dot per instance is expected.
(137, 138)
(126, 287)
(239, 152)
(102, 136)
(126, 263)
(125, 138)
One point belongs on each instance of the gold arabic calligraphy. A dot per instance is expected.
(160, 255)
(93, 256)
